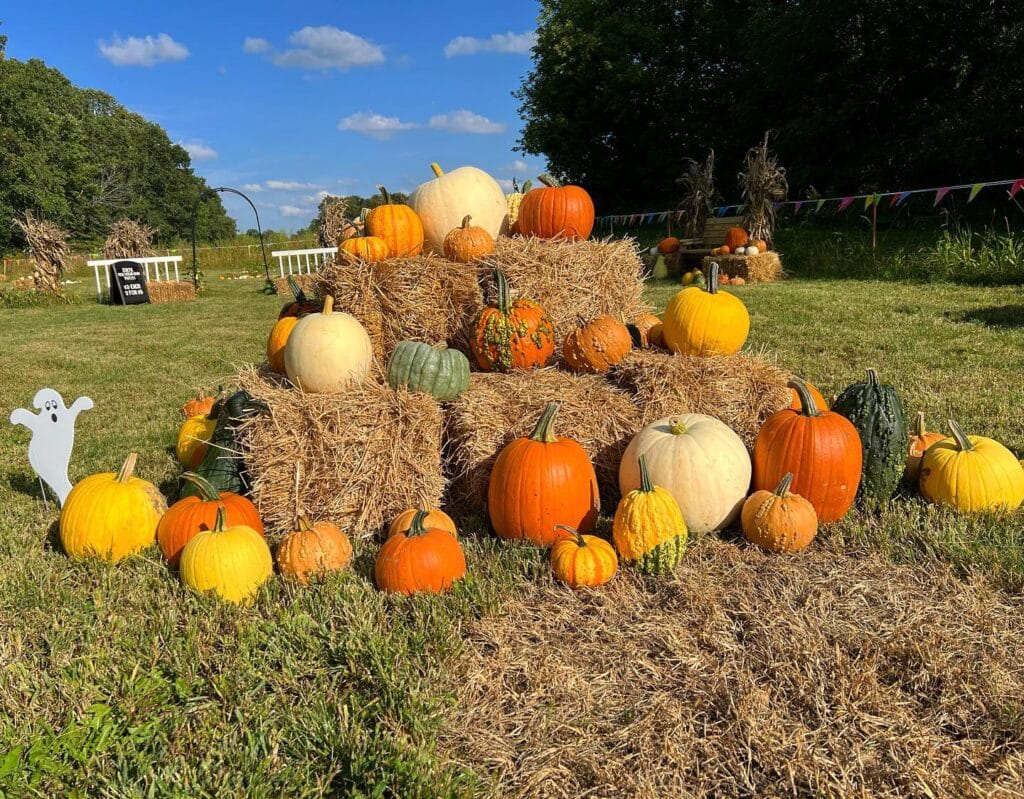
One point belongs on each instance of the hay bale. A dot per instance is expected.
(357, 458)
(306, 282)
(746, 674)
(574, 280)
(741, 390)
(425, 298)
(500, 407)
(765, 267)
(171, 291)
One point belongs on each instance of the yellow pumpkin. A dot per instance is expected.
(442, 204)
(972, 473)
(327, 351)
(779, 520)
(194, 440)
(111, 516)
(706, 321)
(648, 530)
(277, 341)
(582, 560)
(232, 562)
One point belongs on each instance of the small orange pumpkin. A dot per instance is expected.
(640, 330)
(668, 245)
(582, 560)
(761, 244)
(313, 549)
(397, 225)
(597, 346)
(737, 281)
(277, 340)
(200, 406)
(656, 336)
(467, 243)
(435, 519)
(778, 520)
(920, 440)
(365, 248)
(420, 560)
(736, 237)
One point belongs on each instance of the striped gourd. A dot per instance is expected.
(648, 528)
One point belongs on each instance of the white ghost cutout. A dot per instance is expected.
(53, 437)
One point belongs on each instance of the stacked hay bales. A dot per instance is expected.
(765, 267)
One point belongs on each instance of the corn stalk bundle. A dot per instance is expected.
(129, 239)
(764, 183)
(333, 225)
(699, 195)
(48, 247)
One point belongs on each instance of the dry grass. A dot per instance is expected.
(741, 390)
(699, 195)
(357, 458)
(424, 298)
(171, 291)
(748, 675)
(129, 239)
(764, 183)
(500, 407)
(765, 267)
(574, 280)
(48, 248)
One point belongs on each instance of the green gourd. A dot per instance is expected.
(441, 372)
(223, 467)
(876, 410)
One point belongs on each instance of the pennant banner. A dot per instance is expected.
(846, 203)
(940, 195)
(975, 190)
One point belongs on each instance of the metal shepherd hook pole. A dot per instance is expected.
(269, 287)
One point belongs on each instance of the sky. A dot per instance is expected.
(286, 101)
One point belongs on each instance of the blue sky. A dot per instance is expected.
(287, 100)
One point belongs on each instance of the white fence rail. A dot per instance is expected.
(303, 262)
(155, 262)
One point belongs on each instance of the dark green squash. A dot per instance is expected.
(441, 372)
(876, 410)
(223, 466)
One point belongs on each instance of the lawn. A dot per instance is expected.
(116, 681)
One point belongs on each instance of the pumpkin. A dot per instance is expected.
(191, 515)
(656, 336)
(365, 248)
(231, 561)
(541, 481)
(660, 270)
(761, 244)
(876, 410)
(971, 473)
(640, 329)
(737, 281)
(821, 448)
(752, 250)
(556, 212)
(435, 519)
(689, 277)
(200, 406)
(442, 204)
(466, 244)
(301, 305)
(779, 520)
(819, 399)
(512, 335)
(277, 340)
(397, 225)
(421, 559)
(111, 516)
(920, 440)
(222, 467)
(724, 280)
(194, 440)
(327, 351)
(313, 549)
(736, 237)
(649, 530)
(441, 372)
(514, 201)
(706, 321)
(668, 245)
(700, 461)
(597, 346)
(582, 560)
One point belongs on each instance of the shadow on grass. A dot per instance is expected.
(1004, 316)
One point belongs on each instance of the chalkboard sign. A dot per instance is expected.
(128, 283)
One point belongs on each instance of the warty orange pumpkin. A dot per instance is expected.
(512, 335)
(597, 346)
(313, 549)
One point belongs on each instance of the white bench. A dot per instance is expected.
(303, 262)
(155, 261)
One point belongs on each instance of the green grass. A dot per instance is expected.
(116, 681)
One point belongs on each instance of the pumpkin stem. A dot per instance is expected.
(527, 186)
(384, 194)
(504, 300)
(645, 476)
(712, 286)
(549, 181)
(465, 222)
(676, 426)
(222, 520)
(580, 542)
(417, 528)
(127, 468)
(808, 407)
(544, 430)
(872, 380)
(328, 305)
(436, 168)
(206, 489)
(297, 292)
(784, 484)
(303, 523)
(919, 429)
(963, 443)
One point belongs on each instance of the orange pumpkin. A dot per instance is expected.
(192, 515)
(365, 248)
(313, 549)
(301, 305)
(466, 244)
(779, 520)
(597, 346)
(582, 560)
(200, 406)
(512, 335)
(556, 212)
(640, 330)
(656, 336)
(435, 519)
(424, 559)
(541, 481)
(737, 281)
(819, 399)
(277, 340)
(668, 246)
(397, 225)
(736, 237)
(920, 440)
(761, 244)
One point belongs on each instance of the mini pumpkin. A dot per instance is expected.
(397, 225)
(556, 211)
(648, 529)
(920, 440)
(512, 335)
(312, 550)
(597, 346)
(640, 329)
(369, 249)
(229, 561)
(972, 473)
(582, 560)
(200, 406)
(194, 440)
(422, 559)
(466, 244)
(706, 321)
(441, 372)
(779, 520)
(761, 245)
(668, 245)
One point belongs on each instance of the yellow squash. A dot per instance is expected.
(706, 321)
(648, 530)
(231, 562)
(194, 440)
(972, 473)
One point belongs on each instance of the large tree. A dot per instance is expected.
(860, 94)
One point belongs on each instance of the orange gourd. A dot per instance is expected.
(200, 406)
(920, 440)
(467, 243)
(397, 225)
(597, 346)
(779, 520)
(556, 212)
(424, 559)
(512, 335)
(313, 549)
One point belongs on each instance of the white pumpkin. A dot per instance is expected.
(699, 460)
(327, 351)
(442, 204)
(753, 250)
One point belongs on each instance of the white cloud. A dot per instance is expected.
(254, 44)
(252, 187)
(498, 43)
(465, 122)
(137, 51)
(289, 185)
(294, 210)
(376, 126)
(327, 47)
(506, 184)
(519, 167)
(315, 199)
(199, 152)
(347, 181)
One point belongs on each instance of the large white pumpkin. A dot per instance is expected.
(327, 351)
(442, 204)
(699, 460)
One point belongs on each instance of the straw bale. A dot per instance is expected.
(765, 267)
(306, 282)
(357, 458)
(171, 291)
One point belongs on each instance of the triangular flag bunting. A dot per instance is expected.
(846, 203)
(975, 189)
(940, 195)
(1016, 187)
(869, 201)
(821, 204)
(797, 206)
